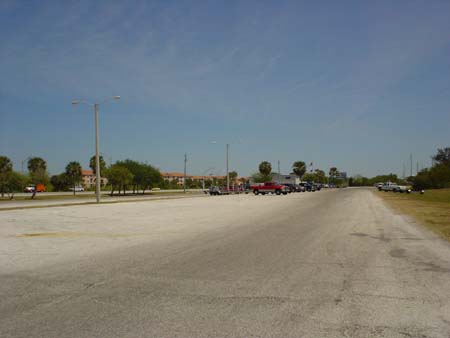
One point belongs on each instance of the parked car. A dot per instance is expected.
(309, 187)
(39, 188)
(215, 191)
(291, 187)
(402, 189)
(389, 186)
(299, 188)
(77, 188)
(269, 187)
(29, 188)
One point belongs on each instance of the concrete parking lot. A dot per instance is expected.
(335, 263)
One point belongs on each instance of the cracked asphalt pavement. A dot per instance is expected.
(334, 263)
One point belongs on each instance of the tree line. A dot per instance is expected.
(139, 177)
(122, 175)
(435, 177)
(12, 181)
(299, 168)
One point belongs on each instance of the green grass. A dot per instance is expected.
(46, 197)
(105, 200)
(431, 209)
(433, 196)
(104, 195)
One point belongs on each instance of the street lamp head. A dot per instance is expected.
(117, 97)
(76, 102)
(213, 142)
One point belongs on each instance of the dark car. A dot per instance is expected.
(291, 187)
(215, 190)
(298, 187)
(310, 187)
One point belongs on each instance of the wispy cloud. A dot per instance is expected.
(327, 66)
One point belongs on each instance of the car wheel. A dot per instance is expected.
(278, 192)
(263, 193)
(256, 192)
(285, 193)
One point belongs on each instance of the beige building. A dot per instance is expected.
(88, 179)
(174, 176)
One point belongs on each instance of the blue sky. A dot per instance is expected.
(354, 84)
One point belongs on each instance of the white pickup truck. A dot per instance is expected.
(402, 188)
(389, 186)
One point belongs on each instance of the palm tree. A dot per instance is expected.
(73, 172)
(299, 168)
(35, 164)
(102, 164)
(38, 170)
(5, 172)
(333, 172)
(265, 168)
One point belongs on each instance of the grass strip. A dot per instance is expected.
(91, 196)
(105, 201)
(432, 209)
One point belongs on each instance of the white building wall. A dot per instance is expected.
(284, 179)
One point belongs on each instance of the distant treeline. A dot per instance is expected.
(436, 177)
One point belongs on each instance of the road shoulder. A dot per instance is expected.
(433, 215)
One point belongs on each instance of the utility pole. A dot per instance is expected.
(404, 171)
(228, 174)
(97, 158)
(410, 165)
(23, 161)
(279, 174)
(417, 168)
(97, 153)
(184, 180)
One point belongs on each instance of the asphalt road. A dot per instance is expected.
(336, 263)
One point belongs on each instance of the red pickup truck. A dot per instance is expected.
(269, 187)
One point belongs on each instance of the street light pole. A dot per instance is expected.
(184, 180)
(97, 153)
(203, 175)
(23, 161)
(279, 175)
(227, 162)
(97, 157)
(228, 174)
